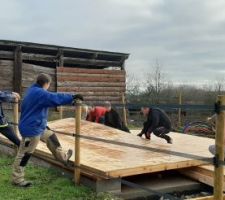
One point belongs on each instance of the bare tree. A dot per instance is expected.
(154, 83)
(133, 88)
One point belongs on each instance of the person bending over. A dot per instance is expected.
(5, 128)
(112, 118)
(33, 123)
(157, 122)
(96, 114)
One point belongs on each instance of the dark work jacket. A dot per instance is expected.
(156, 118)
(113, 120)
(4, 97)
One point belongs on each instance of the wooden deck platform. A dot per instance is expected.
(120, 161)
(110, 160)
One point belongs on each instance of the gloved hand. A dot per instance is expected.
(148, 136)
(78, 97)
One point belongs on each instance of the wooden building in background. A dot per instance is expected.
(98, 75)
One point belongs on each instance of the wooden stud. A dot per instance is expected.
(77, 143)
(61, 112)
(17, 77)
(16, 118)
(61, 58)
(179, 110)
(124, 110)
(219, 142)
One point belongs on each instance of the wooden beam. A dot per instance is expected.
(16, 117)
(91, 71)
(90, 79)
(55, 48)
(206, 198)
(179, 110)
(124, 110)
(69, 60)
(17, 75)
(61, 58)
(7, 55)
(77, 143)
(92, 89)
(219, 142)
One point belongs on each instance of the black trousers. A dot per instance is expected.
(9, 133)
(160, 131)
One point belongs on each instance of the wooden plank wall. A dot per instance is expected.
(97, 85)
(30, 72)
(6, 75)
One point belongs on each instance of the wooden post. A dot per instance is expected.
(61, 112)
(61, 58)
(124, 110)
(16, 118)
(17, 71)
(77, 143)
(179, 110)
(219, 142)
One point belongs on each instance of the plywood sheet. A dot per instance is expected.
(119, 161)
(112, 160)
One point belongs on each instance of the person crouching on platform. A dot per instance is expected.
(5, 128)
(33, 123)
(96, 114)
(157, 122)
(112, 118)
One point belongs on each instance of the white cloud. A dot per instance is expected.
(187, 37)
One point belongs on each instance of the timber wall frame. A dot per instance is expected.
(52, 56)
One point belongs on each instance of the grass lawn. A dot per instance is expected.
(48, 184)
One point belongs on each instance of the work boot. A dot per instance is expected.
(168, 139)
(69, 154)
(67, 157)
(23, 184)
(140, 134)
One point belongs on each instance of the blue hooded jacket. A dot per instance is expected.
(34, 109)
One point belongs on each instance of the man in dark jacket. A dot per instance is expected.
(5, 128)
(157, 122)
(112, 118)
(33, 123)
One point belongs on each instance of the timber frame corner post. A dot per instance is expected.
(179, 110)
(124, 110)
(219, 144)
(17, 71)
(77, 142)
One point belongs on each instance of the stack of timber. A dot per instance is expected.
(203, 174)
(96, 85)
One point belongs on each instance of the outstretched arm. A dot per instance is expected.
(53, 99)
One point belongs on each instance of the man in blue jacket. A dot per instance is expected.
(33, 123)
(5, 128)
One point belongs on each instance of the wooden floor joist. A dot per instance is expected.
(203, 174)
(205, 198)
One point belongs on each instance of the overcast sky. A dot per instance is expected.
(187, 37)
